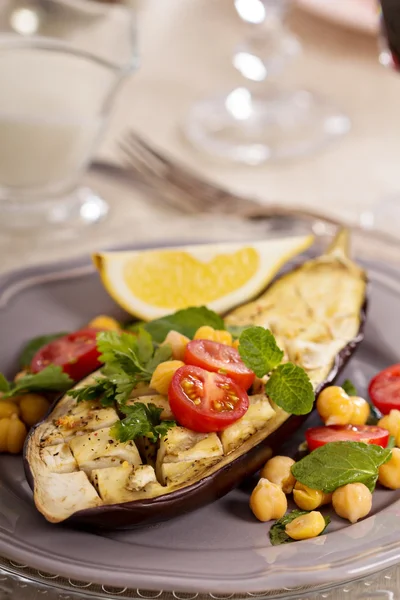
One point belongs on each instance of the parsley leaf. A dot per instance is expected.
(349, 387)
(141, 420)
(259, 350)
(290, 388)
(185, 321)
(128, 360)
(339, 463)
(102, 390)
(50, 379)
(277, 533)
(34, 345)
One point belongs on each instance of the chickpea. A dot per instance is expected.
(12, 434)
(104, 322)
(268, 501)
(277, 470)
(389, 473)
(391, 422)
(309, 499)
(334, 406)
(306, 527)
(178, 343)
(215, 335)
(352, 501)
(33, 408)
(163, 375)
(361, 411)
(8, 408)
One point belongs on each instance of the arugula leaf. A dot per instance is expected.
(185, 321)
(339, 463)
(4, 385)
(141, 420)
(34, 345)
(51, 379)
(259, 350)
(277, 533)
(290, 388)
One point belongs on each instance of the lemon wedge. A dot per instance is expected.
(152, 283)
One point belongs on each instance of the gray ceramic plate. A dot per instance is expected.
(219, 548)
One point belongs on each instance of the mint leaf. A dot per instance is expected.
(236, 330)
(50, 379)
(259, 350)
(290, 388)
(349, 388)
(277, 533)
(4, 385)
(34, 345)
(185, 321)
(339, 463)
(141, 420)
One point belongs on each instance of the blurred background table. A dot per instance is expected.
(186, 50)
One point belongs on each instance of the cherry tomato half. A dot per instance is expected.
(76, 353)
(204, 401)
(369, 434)
(384, 389)
(219, 358)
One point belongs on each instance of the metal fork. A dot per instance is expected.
(187, 192)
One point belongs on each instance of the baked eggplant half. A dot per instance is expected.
(81, 475)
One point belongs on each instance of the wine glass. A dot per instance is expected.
(385, 214)
(61, 62)
(261, 120)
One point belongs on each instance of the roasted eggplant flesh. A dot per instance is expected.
(79, 472)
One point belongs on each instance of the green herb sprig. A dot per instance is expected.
(339, 463)
(288, 385)
(50, 379)
(141, 420)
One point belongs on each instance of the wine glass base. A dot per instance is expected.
(81, 208)
(256, 128)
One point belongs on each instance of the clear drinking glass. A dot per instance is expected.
(262, 120)
(61, 62)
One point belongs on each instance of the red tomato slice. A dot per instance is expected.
(204, 401)
(76, 353)
(369, 434)
(219, 358)
(384, 389)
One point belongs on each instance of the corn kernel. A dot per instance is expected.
(389, 473)
(306, 527)
(214, 335)
(178, 343)
(235, 344)
(163, 375)
(334, 406)
(309, 499)
(391, 422)
(104, 322)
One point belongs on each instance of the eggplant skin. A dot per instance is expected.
(218, 482)
(209, 489)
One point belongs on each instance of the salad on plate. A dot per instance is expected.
(129, 423)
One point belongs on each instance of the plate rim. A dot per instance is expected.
(332, 572)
